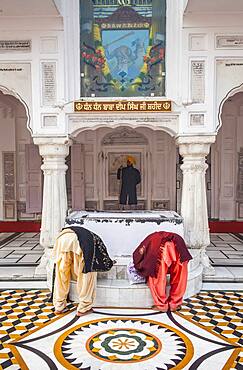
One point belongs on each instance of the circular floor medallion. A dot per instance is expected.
(123, 345)
(121, 341)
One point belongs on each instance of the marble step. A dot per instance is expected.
(16, 273)
(115, 290)
(120, 293)
(118, 271)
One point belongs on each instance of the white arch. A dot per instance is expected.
(231, 93)
(13, 93)
(115, 125)
(185, 2)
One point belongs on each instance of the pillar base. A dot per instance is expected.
(208, 269)
(43, 267)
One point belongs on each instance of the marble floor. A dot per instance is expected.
(226, 249)
(20, 253)
(207, 333)
(23, 249)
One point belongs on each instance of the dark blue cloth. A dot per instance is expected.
(96, 257)
(130, 177)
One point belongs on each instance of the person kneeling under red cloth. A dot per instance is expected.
(80, 254)
(158, 254)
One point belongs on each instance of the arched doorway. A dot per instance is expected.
(95, 158)
(20, 173)
(116, 146)
(227, 162)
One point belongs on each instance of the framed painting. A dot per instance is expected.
(122, 47)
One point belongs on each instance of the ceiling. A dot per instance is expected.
(28, 8)
(213, 6)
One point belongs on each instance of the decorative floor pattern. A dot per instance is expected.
(21, 312)
(220, 313)
(206, 334)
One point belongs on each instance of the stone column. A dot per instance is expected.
(194, 150)
(54, 207)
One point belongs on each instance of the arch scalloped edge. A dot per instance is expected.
(230, 93)
(7, 91)
(113, 124)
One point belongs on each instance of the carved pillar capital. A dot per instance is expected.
(195, 146)
(193, 168)
(195, 139)
(53, 147)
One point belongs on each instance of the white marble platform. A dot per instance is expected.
(123, 231)
(114, 289)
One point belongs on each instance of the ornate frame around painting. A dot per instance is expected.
(122, 47)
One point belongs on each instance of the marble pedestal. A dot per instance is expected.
(114, 289)
(122, 232)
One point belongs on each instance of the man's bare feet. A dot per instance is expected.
(161, 309)
(61, 312)
(174, 309)
(84, 313)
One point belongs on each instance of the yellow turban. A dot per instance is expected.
(131, 159)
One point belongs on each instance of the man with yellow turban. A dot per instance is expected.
(130, 177)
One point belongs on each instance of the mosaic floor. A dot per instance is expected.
(206, 334)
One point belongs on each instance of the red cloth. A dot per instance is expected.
(170, 263)
(147, 255)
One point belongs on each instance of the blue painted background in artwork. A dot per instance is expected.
(125, 50)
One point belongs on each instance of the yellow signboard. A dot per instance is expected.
(123, 106)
